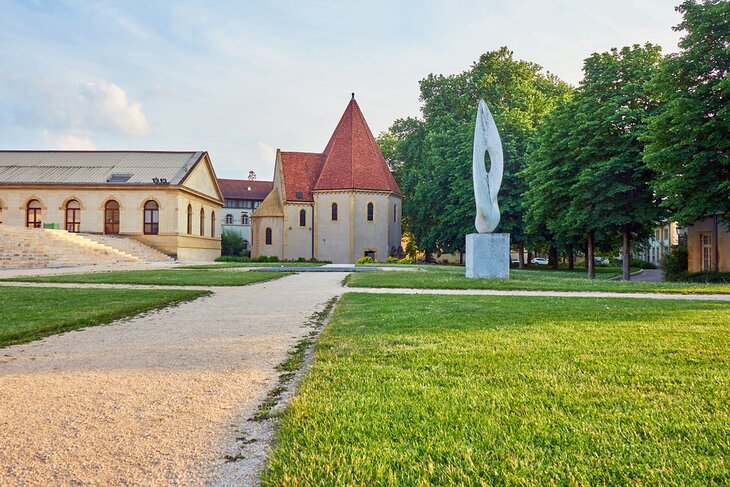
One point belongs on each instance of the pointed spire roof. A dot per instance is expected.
(352, 158)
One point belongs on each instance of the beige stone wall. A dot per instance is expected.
(332, 238)
(694, 246)
(371, 235)
(258, 236)
(297, 239)
(395, 222)
(172, 203)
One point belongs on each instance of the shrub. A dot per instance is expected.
(273, 258)
(707, 277)
(231, 244)
(365, 260)
(392, 260)
(233, 258)
(675, 263)
(406, 260)
(301, 259)
(262, 258)
(642, 264)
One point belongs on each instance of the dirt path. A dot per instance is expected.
(152, 400)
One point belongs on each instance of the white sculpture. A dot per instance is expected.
(486, 186)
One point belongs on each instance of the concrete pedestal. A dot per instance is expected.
(487, 255)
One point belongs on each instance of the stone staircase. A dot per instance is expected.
(27, 247)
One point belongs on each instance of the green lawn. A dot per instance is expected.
(442, 277)
(29, 313)
(482, 390)
(165, 277)
(227, 265)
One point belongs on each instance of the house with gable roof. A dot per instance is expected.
(338, 205)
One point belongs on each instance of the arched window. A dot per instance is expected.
(190, 219)
(302, 218)
(395, 213)
(371, 212)
(33, 214)
(334, 212)
(111, 217)
(212, 224)
(151, 218)
(268, 236)
(73, 216)
(202, 222)
(244, 219)
(229, 219)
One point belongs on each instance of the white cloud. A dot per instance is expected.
(268, 154)
(108, 107)
(69, 141)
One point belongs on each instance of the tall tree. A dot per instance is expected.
(611, 192)
(689, 139)
(435, 158)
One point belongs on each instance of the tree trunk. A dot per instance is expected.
(521, 254)
(590, 261)
(627, 256)
(461, 257)
(571, 258)
(529, 257)
(554, 257)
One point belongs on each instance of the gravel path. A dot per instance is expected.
(154, 400)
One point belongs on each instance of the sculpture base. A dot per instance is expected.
(487, 255)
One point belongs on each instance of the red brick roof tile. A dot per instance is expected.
(300, 174)
(243, 189)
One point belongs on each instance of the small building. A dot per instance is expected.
(241, 198)
(338, 205)
(708, 245)
(168, 200)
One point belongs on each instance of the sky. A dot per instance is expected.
(241, 79)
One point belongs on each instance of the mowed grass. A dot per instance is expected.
(482, 390)
(428, 277)
(230, 265)
(164, 277)
(29, 313)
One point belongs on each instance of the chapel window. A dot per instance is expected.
(334, 212)
(202, 222)
(268, 236)
(151, 218)
(73, 216)
(302, 218)
(371, 212)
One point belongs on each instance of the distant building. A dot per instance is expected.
(338, 205)
(241, 198)
(660, 243)
(168, 200)
(708, 245)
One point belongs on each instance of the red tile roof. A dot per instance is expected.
(243, 189)
(351, 160)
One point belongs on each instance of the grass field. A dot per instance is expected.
(442, 277)
(165, 277)
(476, 390)
(228, 265)
(29, 313)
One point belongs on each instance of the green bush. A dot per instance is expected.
(301, 259)
(711, 277)
(231, 244)
(273, 258)
(406, 260)
(392, 260)
(365, 260)
(233, 258)
(262, 258)
(675, 263)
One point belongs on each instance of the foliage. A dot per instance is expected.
(233, 258)
(165, 277)
(231, 244)
(512, 391)
(30, 313)
(262, 258)
(676, 263)
(365, 260)
(688, 143)
(707, 277)
(392, 260)
(406, 260)
(447, 277)
(273, 258)
(433, 155)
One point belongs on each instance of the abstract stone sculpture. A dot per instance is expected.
(486, 186)
(487, 253)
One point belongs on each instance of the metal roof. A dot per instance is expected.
(95, 167)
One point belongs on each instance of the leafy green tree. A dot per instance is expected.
(433, 155)
(689, 139)
(611, 193)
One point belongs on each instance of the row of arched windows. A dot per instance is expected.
(334, 216)
(201, 221)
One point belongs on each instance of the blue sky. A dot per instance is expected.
(240, 79)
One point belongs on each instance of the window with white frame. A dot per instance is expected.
(229, 219)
